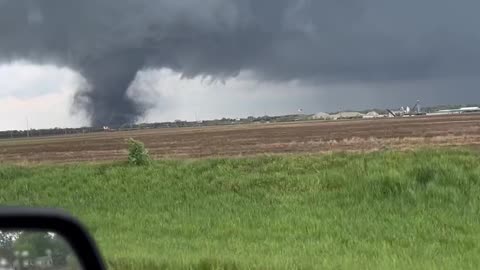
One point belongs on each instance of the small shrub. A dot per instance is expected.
(137, 153)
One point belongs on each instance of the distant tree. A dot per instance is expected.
(39, 244)
(6, 245)
(35, 243)
(6, 239)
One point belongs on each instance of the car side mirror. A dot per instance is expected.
(32, 238)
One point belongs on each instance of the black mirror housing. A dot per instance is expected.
(57, 221)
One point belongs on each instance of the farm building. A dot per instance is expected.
(322, 116)
(347, 115)
(457, 111)
(372, 114)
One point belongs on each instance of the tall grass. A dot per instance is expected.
(389, 210)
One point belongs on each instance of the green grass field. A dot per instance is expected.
(385, 210)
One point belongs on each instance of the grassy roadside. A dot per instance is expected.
(385, 210)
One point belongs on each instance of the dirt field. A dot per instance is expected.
(311, 137)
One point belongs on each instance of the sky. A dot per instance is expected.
(66, 63)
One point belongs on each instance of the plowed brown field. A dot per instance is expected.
(301, 137)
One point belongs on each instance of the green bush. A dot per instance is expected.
(137, 153)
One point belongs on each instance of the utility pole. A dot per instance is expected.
(28, 129)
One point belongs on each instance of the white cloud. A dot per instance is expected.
(41, 94)
(47, 111)
(204, 98)
(24, 80)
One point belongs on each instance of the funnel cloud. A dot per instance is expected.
(329, 41)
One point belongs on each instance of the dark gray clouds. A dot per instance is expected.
(337, 41)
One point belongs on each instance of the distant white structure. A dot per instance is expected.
(322, 116)
(457, 111)
(405, 111)
(470, 109)
(342, 115)
(372, 114)
(347, 115)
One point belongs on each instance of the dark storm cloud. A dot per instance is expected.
(108, 41)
